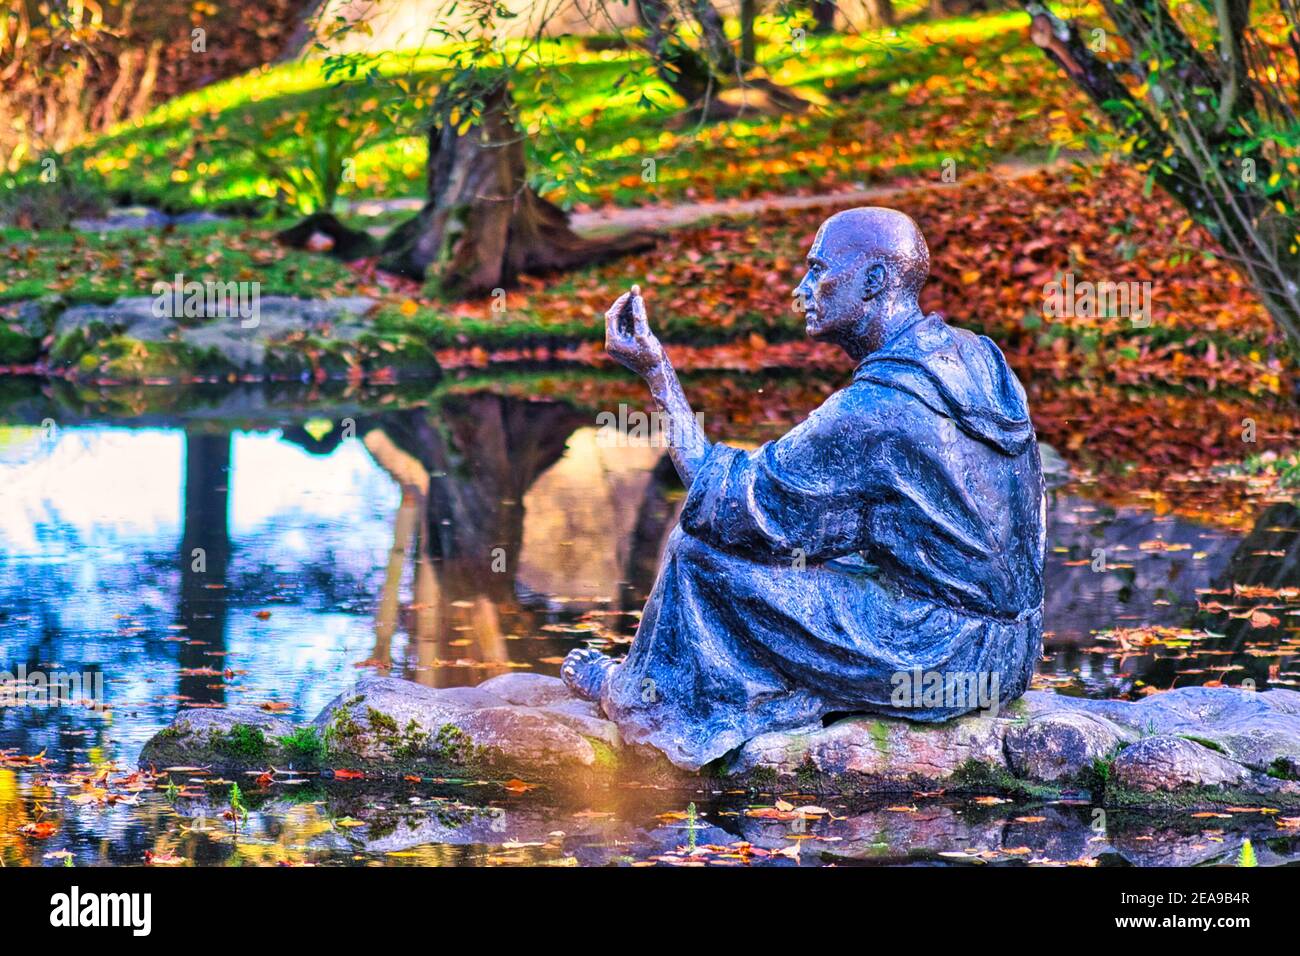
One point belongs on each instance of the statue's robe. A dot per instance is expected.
(890, 543)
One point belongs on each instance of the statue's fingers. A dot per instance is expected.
(611, 317)
(640, 322)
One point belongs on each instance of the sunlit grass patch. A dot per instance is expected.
(885, 104)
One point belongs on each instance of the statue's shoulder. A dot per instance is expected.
(872, 401)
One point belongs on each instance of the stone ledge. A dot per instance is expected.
(1189, 747)
(127, 342)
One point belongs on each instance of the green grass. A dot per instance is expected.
(243, 741)
(594, 115)
(304, 745)
(103, 267)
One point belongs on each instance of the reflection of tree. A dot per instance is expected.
(1268, 557)
(205, 546)
(470, 467)
(494, 448)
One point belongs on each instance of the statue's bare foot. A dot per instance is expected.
(585, 671)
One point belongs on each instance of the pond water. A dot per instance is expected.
(266, 557)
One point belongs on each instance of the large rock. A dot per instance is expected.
(233, 738)
(878, 753)
(288, 336)
(527, 690)
(1061, 746)
(1193, 746)
(277, 316)
(1260, 731)
(1173, 763)
(383, 720)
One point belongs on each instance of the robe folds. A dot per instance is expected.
(889, 544)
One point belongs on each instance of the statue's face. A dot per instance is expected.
(833, 290)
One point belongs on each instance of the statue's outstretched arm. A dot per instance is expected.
(629, 341)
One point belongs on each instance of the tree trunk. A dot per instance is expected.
(748, 42)
(823, 12)
(720, 52)
(482, 224)
(881, 12)
(684, 70)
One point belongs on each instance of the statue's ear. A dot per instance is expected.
(874, 281)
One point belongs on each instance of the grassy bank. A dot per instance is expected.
(967, 91)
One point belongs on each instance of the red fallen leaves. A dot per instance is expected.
(38, 831)
(342, 774)
(783, 810)
(515, 785)
(1259, 619)
(9, 758)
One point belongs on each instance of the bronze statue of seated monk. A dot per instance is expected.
(884, 556)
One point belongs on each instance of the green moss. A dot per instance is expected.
(413, 742)
(380, 722)
(122, 357)
(97, 350)
(763, 778)
(1098, 777)
(243, 742)
(69, 347)
(807, 776)
(1283, 768)
(341, 727)
(1197, 798)
(304, 745)
(880, 734)
(606, 758)
(982, 777)
(1208, 744)
(17, 348)
(452, 745)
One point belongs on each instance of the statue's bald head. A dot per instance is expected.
(865, 266)
(877, 234)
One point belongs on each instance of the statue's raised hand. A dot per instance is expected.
(628, 338)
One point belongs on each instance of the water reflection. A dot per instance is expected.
(203, 564)
(269, 559)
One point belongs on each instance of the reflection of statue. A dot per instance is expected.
(893, 539)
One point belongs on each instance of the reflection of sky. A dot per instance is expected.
(106, 490)
(90, 529)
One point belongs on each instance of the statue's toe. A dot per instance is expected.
(585, 671)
